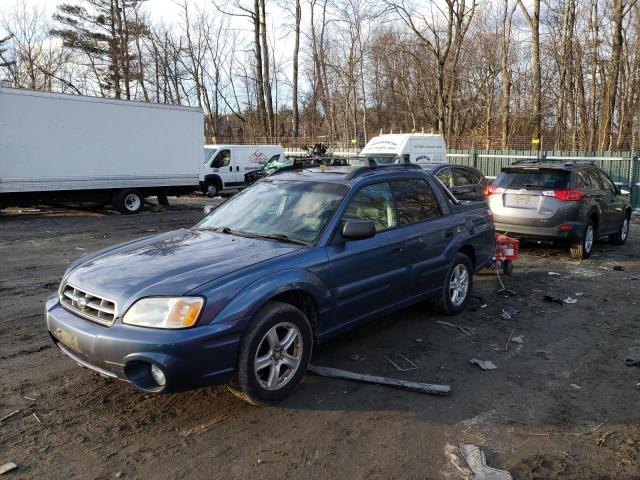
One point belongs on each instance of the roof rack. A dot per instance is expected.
(373, 165)
(579, 162)
(528, 160)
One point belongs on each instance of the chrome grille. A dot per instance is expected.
(90, 306)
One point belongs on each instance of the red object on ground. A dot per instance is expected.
(507, 248)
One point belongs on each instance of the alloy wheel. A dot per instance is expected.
(278, 356)
(459, 284)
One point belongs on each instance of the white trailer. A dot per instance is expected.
(58, 148)
(421, 148)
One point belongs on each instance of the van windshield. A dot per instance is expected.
(284, 210)
(208, 153)
(537, 178)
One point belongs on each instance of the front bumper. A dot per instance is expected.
(543, 233)
(189, 358)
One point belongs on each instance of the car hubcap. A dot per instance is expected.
(278, 357)
(625, 229)
(588, 239)
(132, 202)
(459, 285)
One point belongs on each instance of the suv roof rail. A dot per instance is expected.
(527, 160)
(373, 165)
(579, 162)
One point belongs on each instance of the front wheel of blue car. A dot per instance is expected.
(274, 354)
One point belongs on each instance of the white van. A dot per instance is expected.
(420, 148)
(225, 165)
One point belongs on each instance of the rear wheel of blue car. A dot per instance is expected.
(274, 354)
(457, 286)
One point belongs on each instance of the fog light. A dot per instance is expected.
(158, 375)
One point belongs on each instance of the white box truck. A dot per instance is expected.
(70, 148)
(420, 148)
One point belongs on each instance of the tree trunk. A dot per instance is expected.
(296, 50)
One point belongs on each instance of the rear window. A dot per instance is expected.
(534, 179)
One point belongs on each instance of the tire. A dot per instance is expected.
(162, 199)
(128, 201)
(274, 380)
(451, 304)
(507, 267)
(620, 237)
(212, 190)
(582, 250)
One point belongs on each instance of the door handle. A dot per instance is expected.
(237, 168)
(231, 169)
(396, 249)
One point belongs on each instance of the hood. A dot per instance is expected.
(172, 263)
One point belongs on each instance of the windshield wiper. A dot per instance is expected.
(281, 237)
(221, 230)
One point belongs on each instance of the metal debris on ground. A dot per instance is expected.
(359, 377)
(551, 299)
(9, 415)
(518, 339)
(477, 462)
(459, 327)
(575, 386)
(579, 294)
(555, 274)
(632, 362)
(483, 364)
(7, 467)
(509, 312)
(357, 358)
(570, 300)
(476, 302)
(401, 359)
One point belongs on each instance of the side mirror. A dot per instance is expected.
(624, 191)
(208, 209)
(358, 229)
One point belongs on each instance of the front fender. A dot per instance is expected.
(250, 299)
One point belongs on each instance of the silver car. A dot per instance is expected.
(572, 202)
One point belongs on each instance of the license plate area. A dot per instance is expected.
(516, 200)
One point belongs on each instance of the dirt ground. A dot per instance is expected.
(561, 405)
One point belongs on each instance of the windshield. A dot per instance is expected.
(276, 163)
(379, 159)
(208, 152)
(284, 210)
(533, 179)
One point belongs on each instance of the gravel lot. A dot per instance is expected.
(563, 404)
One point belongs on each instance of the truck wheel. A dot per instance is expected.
(162, 199)
(507, 267)
(620, 237)
(274, 354)
(583, 248)
(212, 190)
(129, 201)
(457, 286)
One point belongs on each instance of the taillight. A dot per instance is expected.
(566, 195)
(489, 190)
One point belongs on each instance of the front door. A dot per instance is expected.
(221, 164)
(365, 276)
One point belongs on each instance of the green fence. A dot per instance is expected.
(622, 167)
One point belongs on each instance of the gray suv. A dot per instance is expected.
(571, 202)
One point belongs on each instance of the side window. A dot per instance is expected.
(477, 177)
(596, 181)
(275, 158)
(375, 203)
(583, 180)
(445, 177)
(462, 177)
(415, 201)
(607, 182)
(223, 158)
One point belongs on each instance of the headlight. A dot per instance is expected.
(164, 312)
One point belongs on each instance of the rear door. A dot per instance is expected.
(426, 232)
(613, 204)
(526, 196)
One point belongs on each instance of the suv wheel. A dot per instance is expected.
(274, 354)
(583, 248)
(457, 286)
(620, 237)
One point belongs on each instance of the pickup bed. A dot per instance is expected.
(243, 296)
